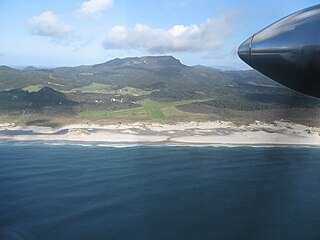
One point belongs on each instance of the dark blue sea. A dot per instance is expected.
(153, 192)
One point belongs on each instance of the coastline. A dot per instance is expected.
(180, 134)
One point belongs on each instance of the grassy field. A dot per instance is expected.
(154, 111)
(107, 89)
(33, 88)
(131, 91)
(93, 88)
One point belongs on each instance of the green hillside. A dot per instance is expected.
(146, 89)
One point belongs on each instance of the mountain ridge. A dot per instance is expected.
(141, 72)
(164, 74)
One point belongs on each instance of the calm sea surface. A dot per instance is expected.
(103, 192)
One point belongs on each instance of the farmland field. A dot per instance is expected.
(154, 110)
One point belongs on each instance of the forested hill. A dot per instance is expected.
(161, 82)
(162, 73)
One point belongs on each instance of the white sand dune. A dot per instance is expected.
(219, 132)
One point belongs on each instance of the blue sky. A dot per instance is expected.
(77, 32)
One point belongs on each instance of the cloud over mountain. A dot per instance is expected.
(179, 38)
(93, 7)
(48, 24)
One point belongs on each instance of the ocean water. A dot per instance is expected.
(156, 192)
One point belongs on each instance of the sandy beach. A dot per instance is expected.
(219, 132)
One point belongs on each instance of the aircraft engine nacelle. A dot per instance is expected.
(288, 51)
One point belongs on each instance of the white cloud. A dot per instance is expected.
(210, 35)
(48, 24)
(93, 7)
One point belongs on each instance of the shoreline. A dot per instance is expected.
(164, 144)
(185, 134)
